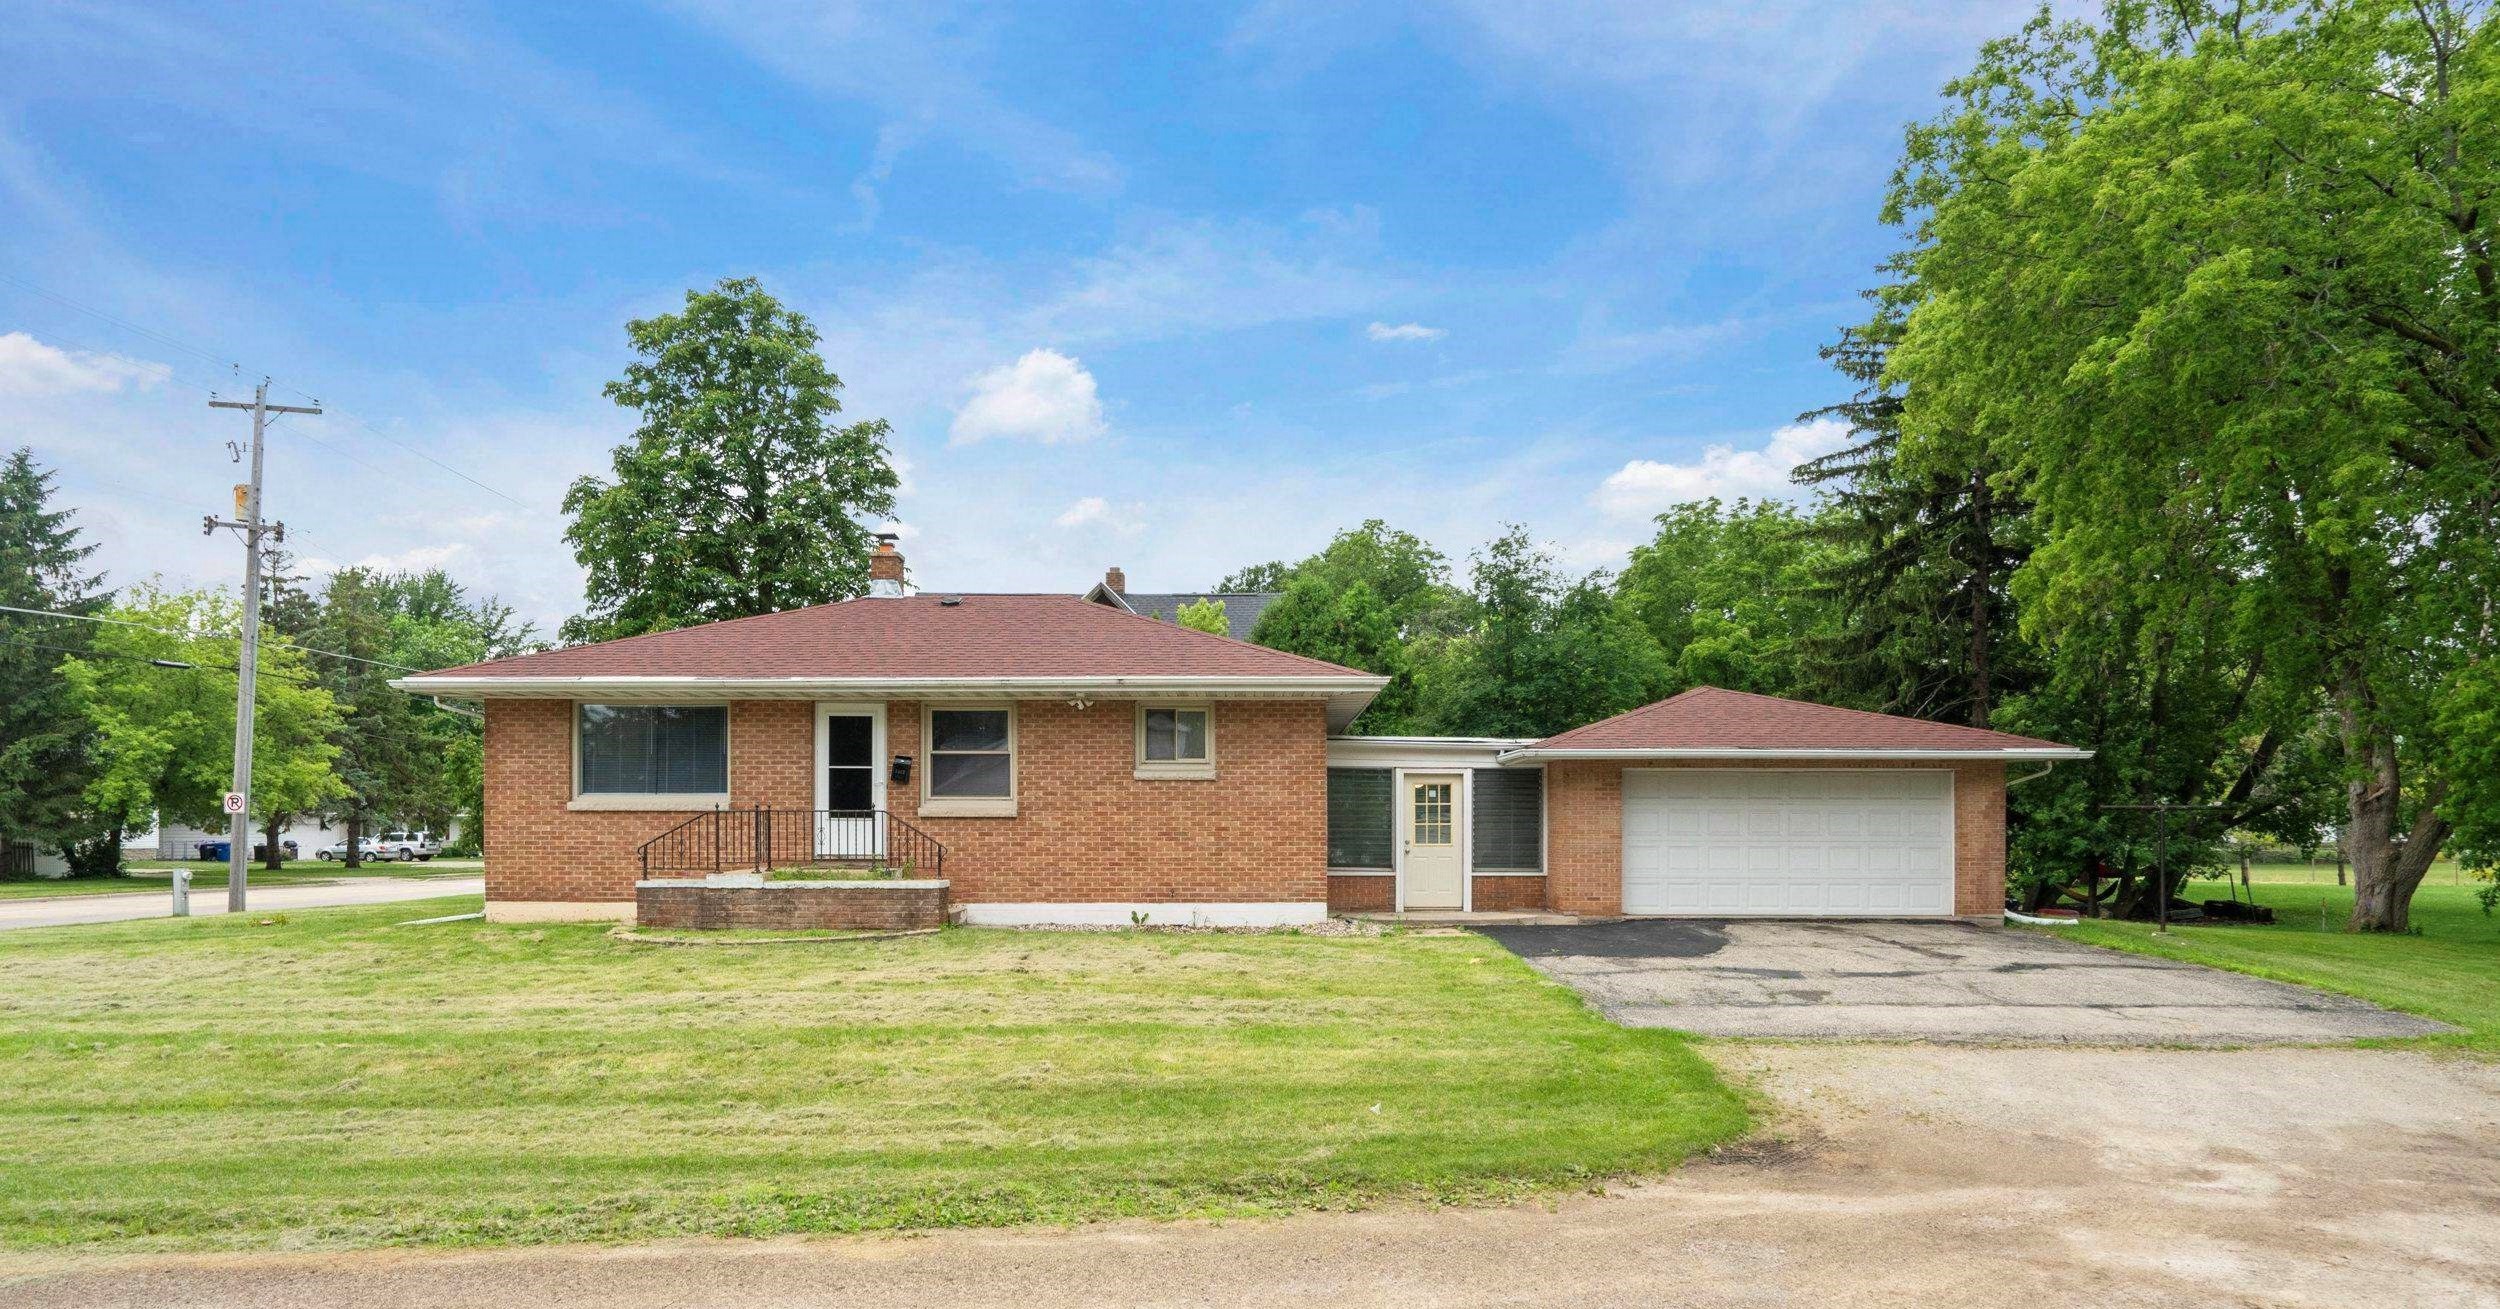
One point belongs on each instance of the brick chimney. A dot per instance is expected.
(1113, 578)
(885, 569)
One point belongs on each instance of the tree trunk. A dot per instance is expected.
(355, 839)
(2387, 865)
(272, 858)
(1981, 588)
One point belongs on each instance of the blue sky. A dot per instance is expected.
(1175, 288)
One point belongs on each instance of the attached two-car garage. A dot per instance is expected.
(1725, 804)
(1802, 843)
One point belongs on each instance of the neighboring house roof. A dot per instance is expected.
(1707, 722)
(1241, 608)
(924, 646)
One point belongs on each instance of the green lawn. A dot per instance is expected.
(2450, 971)
(2443, 872)
(334, 1080)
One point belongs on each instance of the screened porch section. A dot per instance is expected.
(1503, 833)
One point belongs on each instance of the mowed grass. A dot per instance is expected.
(333, 1080)
(2449, 971)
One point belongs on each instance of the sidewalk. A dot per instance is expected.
(208, 898)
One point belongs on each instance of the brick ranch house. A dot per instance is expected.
(1070, 761)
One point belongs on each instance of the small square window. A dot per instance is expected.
(1175, 741)
(971, 770)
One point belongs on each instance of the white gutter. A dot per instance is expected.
(2011, 755)
(1346, 694)
(431, 684)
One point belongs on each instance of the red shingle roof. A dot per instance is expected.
(1708, 718)
(921, 636)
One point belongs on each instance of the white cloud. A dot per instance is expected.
(1045, 396)
(1091, 509)
(1405, 332)
(28, 367)
(1648, 486)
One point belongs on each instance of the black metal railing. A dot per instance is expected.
(760, 840)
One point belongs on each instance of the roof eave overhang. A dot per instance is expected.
(1346, 696)
(2023, 754)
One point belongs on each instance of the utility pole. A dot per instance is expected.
(247, 507)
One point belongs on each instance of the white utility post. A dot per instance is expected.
(239, 801)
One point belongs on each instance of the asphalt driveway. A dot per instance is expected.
(1927, 981)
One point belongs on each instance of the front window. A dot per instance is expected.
(1175, 741)
(972, 759)
(653, 749)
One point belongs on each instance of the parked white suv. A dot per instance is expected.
(405, 846)
(402, 846)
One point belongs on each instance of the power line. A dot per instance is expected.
(126, 325)
(101, 654)
(172, 343)
(206, 636)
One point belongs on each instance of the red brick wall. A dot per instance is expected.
(537, 848)
(1086, 828)
(793, 908)
(1584, 833)
(1505, 894)
(1364, 893)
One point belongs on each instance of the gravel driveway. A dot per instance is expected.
(1939, 1177)
(1928, 981)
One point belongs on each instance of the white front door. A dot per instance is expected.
(1790, 843)
(1435, 878)
(850, 782)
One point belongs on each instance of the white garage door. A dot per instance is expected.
(1808, 843)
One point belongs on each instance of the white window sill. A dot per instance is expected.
(942, 807)
(1176, 772)
(1362, 872)
(617, 803)
(1507, 872)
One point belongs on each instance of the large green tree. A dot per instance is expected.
(1404, 572)
(1920, 556)
(2215, 285)
(383, 760)
(45, 762)
(1541, 652)
(1352, 627)
(158, 687)
(740, 493)
(1732, 595)
(436, 623)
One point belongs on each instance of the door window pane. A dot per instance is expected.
(849, 738)
(848, 789)
(654, 749)
(1432, 813)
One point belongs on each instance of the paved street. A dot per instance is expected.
(208, 897)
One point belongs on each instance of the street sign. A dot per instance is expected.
(234, 802)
